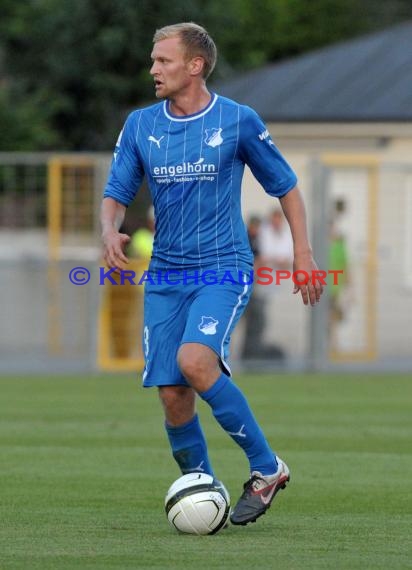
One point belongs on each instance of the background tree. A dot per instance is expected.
(71, 70)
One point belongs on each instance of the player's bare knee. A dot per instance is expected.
(198, 364)
(192, 369)
(190, 363)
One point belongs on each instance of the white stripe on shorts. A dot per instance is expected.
(235, 309)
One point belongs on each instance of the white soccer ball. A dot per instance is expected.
(196, 503)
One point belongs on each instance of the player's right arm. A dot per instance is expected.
(111, 217)
(125, 177)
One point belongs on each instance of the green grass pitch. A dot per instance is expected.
(85, 465)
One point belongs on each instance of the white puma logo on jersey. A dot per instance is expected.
(239, 433)
(156, 141)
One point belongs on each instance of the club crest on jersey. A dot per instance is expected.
(213, 137)
(208, 325)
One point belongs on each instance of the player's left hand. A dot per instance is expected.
(310, 287)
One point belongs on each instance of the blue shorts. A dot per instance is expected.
(192, 312)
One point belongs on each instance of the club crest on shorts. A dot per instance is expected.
(208, 325)
(213, 137)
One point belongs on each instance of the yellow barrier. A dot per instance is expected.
(121, 322)
(70, 207)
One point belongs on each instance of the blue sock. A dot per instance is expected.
(189, 447)
(230, 408)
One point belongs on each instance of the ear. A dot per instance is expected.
(196, 65)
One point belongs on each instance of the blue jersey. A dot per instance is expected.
(194, 166)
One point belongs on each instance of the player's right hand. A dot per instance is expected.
(114, 244)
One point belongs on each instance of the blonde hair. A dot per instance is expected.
(196, 42)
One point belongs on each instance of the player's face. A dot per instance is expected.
(170, 70)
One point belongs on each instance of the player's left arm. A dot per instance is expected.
(269, 167)
(294, 209)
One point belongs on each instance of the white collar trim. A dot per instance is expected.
(190, 117)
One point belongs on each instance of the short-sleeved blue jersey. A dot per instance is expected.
(194, 166)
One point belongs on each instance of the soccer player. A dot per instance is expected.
(192, 147)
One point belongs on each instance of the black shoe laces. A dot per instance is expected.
(249, 484)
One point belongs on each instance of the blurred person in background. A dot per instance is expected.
(274, 246)
(254, 317)
(193, 147)
(339, 295)
(254, 346)
(141, 243)
(275, 242)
